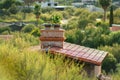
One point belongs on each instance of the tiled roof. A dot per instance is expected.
(82, 53)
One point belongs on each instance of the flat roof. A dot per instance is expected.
(82, 53)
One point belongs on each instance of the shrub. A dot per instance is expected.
(47, 10)
(82, 23)
(70, 11)
(109, 64)
(72, 24)
(36, 32)
(17, 26)
(114, 37)
(28, 28)
(27, 9)
(94, 15)
(24, 39)
(13, 9)
(45, 17)
(2, 29)
(22, 64)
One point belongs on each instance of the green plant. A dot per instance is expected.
(28, 28)
(56, 19)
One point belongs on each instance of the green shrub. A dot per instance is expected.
(28, 28)
(82, 23)
(70, 10)
(27, 10)
(21, 64)
(2, 29)
(47, 10)
(26, 38)
(114, 37)
(13, 9)
(94, 15)
(45, 17)
(36, 32)
(109, 64)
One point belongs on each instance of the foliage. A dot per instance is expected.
(110, 62)
(24, 40)
(75, 36)
(13, 9)
(114, 60)
(17, 26)
(114, 37)
(45, 17)
(28, 28)
(2, 29)
(72, 24)
(37, 10)
(9, 6)
(117, 16)
(47, 10)
(70, 10)
(27, 10)
(105, 4)
(8, 3)
(36, 32)
(21, 64)
(55, 19)
(82, 23)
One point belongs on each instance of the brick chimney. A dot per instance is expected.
(52, 38)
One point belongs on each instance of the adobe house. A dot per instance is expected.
(54, 40)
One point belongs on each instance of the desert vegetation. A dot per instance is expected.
(82, 28)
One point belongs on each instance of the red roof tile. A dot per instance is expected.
(81, 53)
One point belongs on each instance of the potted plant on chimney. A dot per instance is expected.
(56, 21)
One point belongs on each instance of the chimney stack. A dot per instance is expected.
(52, 38)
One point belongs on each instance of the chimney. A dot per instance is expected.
(52, 38)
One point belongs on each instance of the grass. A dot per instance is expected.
(19, 63)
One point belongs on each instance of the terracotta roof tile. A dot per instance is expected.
(85, 54)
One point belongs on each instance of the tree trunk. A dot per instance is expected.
(37, 18)
(111, 16)
(104, 18)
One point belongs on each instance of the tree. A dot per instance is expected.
(105, 4)
(37, 12)
(9, 6)
(6, 4)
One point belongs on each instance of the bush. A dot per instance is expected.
(17, 26)
(36, 32)
(114, 37)
(109, 64)
(45, 17)
(28, 28)
(82, 23)
(22, 64)
(94, 15)
(24, 40)
(47, 10)
(27, 9)
(70, 11)
(13, 9)
(2, 29)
